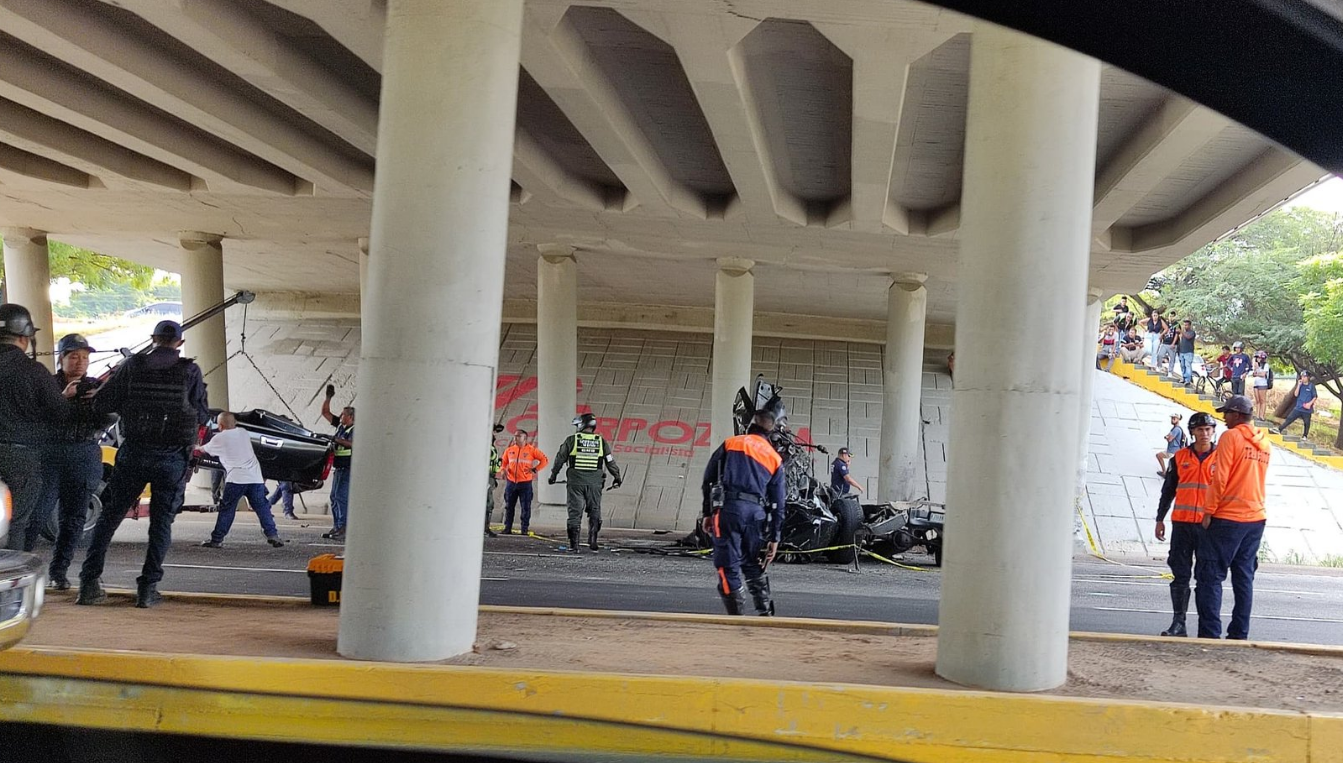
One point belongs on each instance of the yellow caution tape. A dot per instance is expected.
(1096, 552)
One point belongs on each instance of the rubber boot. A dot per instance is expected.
(574, 548)
(760, 594)
(91, 593)
(593, 529)
(147, 595)
(1179, 601)
(735, 602)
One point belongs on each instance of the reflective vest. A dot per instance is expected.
(1191, 494)
(344, 433)
(494, 461)
(587, 453)
(1239, 468)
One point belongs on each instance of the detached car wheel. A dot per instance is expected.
(849, 520)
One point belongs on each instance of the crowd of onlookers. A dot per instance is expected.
(1166, 344)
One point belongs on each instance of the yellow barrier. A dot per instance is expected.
(433, 707)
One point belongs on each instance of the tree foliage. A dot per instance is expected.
(93, 270)
(1276, 284)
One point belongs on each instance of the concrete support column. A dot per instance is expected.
(363, 270)
(556, 354)
(902, 390)
(734, 311)
(431, 329)
(1090, 325)
(1025, 242)
(28, 283)
(202, 288)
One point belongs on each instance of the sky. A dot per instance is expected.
(1326, 197)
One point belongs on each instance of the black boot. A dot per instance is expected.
(1179, 601)
(573, 542)
(735, 602)
(91, 593)
(760, 594)
(593, 529)
(147, 595)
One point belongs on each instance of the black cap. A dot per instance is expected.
(72, 342)
(1238, 404)
(167, 330)
(843, 451)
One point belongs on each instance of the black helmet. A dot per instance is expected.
(1201, 419)
(72, 342)
(15, 320)
(585, 421)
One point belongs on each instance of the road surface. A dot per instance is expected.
(1300, 604)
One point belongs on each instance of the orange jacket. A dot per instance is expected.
(520, 462)
(1238, 470)
(1195, 477)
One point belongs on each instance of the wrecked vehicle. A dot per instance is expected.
(816, 521)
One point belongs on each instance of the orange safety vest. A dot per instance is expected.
(517, 462)
(1239, 468)
(1191, 493)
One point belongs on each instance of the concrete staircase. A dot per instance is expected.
(1206, 402)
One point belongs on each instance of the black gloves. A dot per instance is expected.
(330, 391)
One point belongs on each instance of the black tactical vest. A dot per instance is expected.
(157, 413)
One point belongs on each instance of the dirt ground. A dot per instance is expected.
(1191, 672)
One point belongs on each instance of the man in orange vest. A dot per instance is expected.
(520, 463)
(1186, 487)
(1233, 521)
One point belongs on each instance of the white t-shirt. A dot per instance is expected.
(233, 448)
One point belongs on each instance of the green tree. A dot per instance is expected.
(93, 270)
(1275, 284)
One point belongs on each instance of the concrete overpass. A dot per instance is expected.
(703, 165)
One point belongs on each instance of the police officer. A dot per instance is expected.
(74, 465)
(496, 463)
(31, 405)
(1186, 487)
(585, 453)
(744, 476)
(161, 399)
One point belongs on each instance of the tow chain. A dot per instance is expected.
(242, 351)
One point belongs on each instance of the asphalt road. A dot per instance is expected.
(1300, 604)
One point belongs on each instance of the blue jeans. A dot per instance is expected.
(1187, 366)
(1299, 414)
(228, 509)
(165, 472)
(284, 491)
(340, 497)
(515, 493)
(73, 473)
(1234, 546)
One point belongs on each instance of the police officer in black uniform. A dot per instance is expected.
(585, 453)
(31, 406)
(160, 397)
(74, 460)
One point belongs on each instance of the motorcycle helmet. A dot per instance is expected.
(1201, 419)
(1261, 355)
(15, 320)
(585, 421)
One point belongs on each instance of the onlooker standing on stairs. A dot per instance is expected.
(1306, 397)
(1239, 363)
(1185, 347)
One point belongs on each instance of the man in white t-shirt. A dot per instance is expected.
(233, 447)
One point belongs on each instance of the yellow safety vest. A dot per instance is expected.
(342, 450)
(587, 452)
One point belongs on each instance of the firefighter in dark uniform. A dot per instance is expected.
(743, 480)
(74, 464)
(31, 406)
(161, 399)
(496, 462)
(585, 453)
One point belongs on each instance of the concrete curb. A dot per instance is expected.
(437, 707)
(861, 627)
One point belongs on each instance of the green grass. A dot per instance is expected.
(1331, 560)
